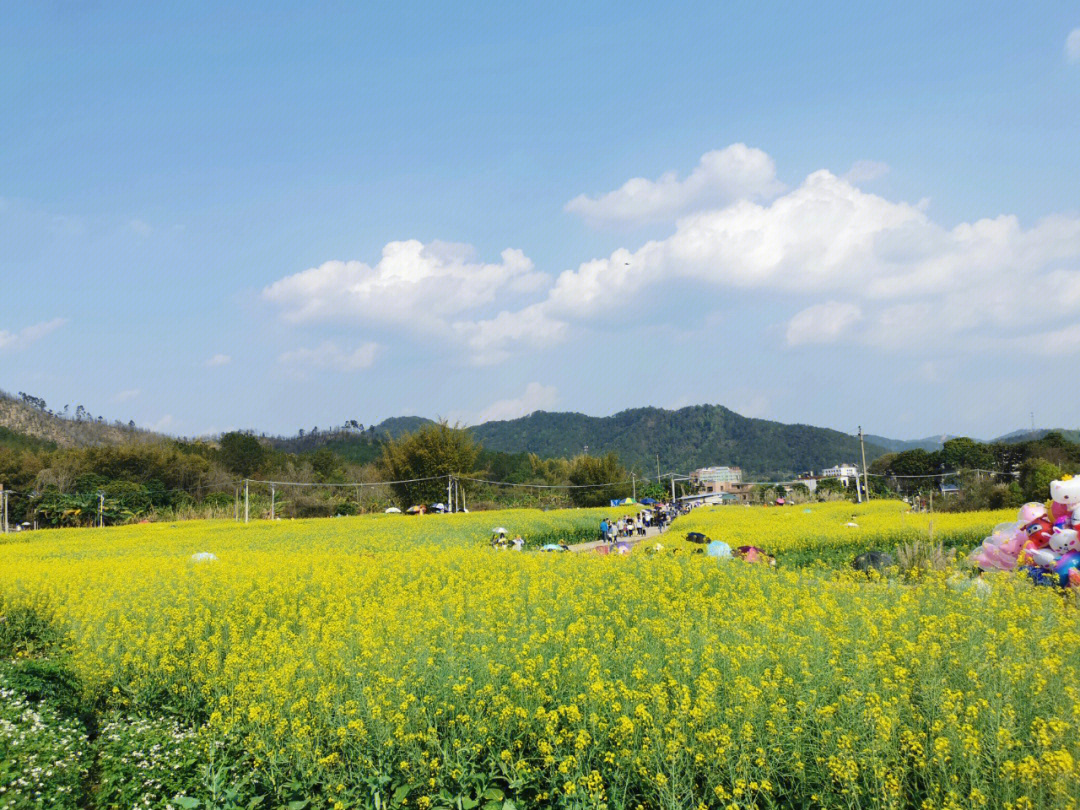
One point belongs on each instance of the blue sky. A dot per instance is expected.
(278, 216)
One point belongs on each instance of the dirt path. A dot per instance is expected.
(650, 532)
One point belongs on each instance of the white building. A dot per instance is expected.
(717, 475)
(841, 471)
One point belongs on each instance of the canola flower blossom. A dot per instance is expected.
(397, 659)
(805, 535)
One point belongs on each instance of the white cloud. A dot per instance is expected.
(328, 355)
(16, 341)
(1055, 343)
(126, 395)
(218, 360)
(722, 176)
(1072, 45)
(863, 171)
(909, 277)
(537, 397)
(164, 423)
(822, 323)
(416, 286)
(850, 264)
(496, 339)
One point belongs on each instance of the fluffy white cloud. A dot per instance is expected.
(218, 360)
(536, 397)
(723, 175)
(496, 339)
(907, 276)
(863, 171)
(1072, 45)
(849, 263)
(126, 395)
(15, 341)
(822, 323)
(414, 285)
(328, 355)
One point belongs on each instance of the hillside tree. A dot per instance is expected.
(587, 473)
(434, 450)
(242, 453)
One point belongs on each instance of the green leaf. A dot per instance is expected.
(187, 802)
(400, 794)
(509, 805)
(468, 804)
(494, 794)
(299, 804)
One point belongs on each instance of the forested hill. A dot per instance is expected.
(29, 417)
(685, 439)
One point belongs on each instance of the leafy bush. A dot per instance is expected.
(44, 755)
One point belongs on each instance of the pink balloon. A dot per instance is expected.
(1031, 511)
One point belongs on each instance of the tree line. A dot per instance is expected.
(990, 476)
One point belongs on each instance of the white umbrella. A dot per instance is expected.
(393, 510)
(498, 530)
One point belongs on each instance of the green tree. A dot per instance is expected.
(324, 463)
(831, 486)
(1035, 477)
(242, 453)
(966, 454)
(435, 450)
(588, 472)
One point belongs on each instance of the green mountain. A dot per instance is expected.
(397, 425)
(685, 439)
(1018, 436)
(930, 444)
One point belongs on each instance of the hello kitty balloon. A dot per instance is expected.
(1065, 495)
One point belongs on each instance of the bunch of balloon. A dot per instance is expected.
(1042, 542)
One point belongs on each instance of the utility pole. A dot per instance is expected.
(673, 487)
(236, 503)
(3, 506)
(101, 509)
(449, 493)
(273, 499)
(633, 480)
(866, 475)
(658, 468)
(245, 500)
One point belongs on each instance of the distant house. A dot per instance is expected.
(842, 471)
(716, 475)
(950, 489)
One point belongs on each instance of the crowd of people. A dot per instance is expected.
(626, 528)
(637, 525)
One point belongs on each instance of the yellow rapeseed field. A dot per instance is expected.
(798, 534)
(391, 661)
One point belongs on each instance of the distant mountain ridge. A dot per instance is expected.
(28, 416)
(684, 439)
(930, 443)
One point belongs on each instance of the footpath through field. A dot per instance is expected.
(650, 531)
